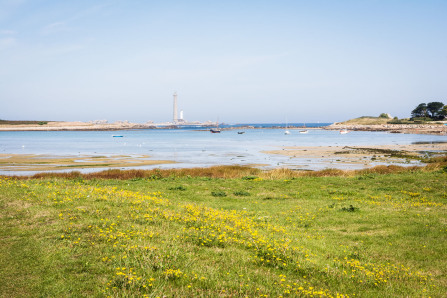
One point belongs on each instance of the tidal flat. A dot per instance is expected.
(362, 235)
(364, 156)
(41, 163)
(189, 148)
(299, 158)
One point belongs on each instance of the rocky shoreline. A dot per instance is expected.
(434, 129)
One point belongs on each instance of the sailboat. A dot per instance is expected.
(215, 130)
(287, 132)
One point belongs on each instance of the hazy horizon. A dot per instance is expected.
(236, 61)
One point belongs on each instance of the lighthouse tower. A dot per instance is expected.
(175, 117)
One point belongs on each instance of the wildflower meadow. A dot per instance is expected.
(366, 235)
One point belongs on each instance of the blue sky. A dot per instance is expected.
(239, 61)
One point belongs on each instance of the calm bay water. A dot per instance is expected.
(191, 148)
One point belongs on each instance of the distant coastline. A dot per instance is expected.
(432, 128)
(89, 126)
(125, 125)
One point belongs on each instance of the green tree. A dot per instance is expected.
(434, 108)
(419, 111)
(444, 111)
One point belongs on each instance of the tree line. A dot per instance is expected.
(435, 110)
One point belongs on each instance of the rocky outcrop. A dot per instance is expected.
(437, 129)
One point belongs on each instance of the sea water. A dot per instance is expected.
(195, 147)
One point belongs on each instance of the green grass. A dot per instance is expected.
(366, 120)
(20, 122)
(367, 235)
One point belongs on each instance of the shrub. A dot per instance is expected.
(242, 193)
(249, 177)
(182, 188)
(219, 194)
(350, 209)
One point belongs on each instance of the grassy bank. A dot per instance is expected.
(366, 120)
(179, 235)
(20, 122)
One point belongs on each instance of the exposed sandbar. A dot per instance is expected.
(365, 155)
(31, 162)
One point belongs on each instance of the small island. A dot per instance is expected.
(425, 119)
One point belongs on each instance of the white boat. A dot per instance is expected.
(344, 131)
(287, 132)
(304, 130)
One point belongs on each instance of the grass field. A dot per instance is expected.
(362, 235)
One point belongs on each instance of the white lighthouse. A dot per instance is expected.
(175, 117)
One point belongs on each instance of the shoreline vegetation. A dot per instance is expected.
(226, 232)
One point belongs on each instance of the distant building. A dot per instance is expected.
(175, 118)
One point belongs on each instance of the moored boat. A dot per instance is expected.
(217, 129)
